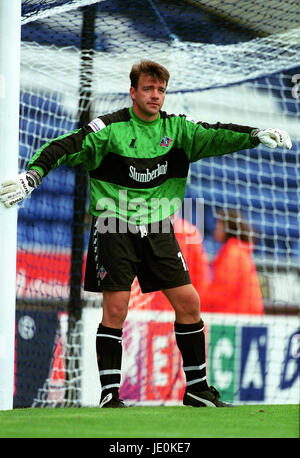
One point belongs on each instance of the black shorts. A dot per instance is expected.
(117, 256)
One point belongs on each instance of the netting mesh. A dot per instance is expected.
(229, 62)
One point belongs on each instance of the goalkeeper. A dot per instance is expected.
(138, 160)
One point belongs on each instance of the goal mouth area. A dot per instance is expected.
(226, 77)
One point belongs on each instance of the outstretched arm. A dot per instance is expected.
(74, 148)
(202, 139)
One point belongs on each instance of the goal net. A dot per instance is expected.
(228, 62)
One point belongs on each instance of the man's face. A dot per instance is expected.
(149, 97)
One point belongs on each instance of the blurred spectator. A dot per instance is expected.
(190, 242)
(234, 287)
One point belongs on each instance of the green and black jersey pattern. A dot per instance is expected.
(137, 169)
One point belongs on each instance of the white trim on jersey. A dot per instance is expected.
(97, 124)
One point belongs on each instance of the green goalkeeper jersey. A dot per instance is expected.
(137, 169)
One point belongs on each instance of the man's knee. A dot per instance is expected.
(190, 304)
(115, 308)
(186, 303)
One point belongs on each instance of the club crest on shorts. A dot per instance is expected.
(165, 141)
(102, 273)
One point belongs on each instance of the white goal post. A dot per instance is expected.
(10, 32)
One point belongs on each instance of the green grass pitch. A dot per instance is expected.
(256, 421)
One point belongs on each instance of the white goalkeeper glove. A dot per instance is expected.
(13, 191)
(273, 138)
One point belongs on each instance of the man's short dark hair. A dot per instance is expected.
(148, 67)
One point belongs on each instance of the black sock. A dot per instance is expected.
(109, 358)
(191, 343)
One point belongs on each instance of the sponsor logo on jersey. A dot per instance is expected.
(96, 124)
(165, 141)
(148, 175)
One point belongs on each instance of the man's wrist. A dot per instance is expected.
(34, 178)
(254, 138)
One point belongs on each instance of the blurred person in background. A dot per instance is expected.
(234, 286)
